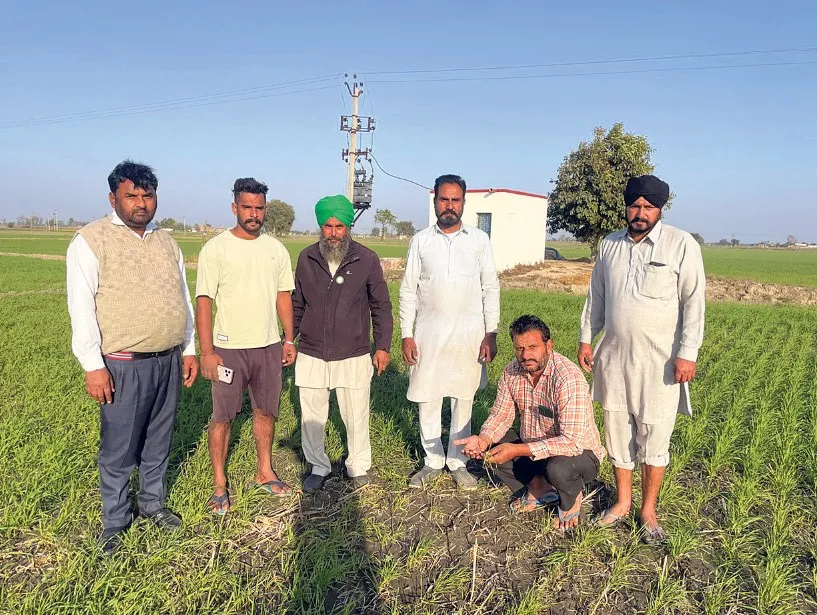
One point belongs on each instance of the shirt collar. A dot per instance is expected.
(463, 229)
(115, 219)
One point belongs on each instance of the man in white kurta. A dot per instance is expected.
(449, 313)
(647, 295)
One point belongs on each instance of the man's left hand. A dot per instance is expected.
(487, 349)
(381, 361)
(684, 370)
(506, 451)
(288, 354)
(190, 369)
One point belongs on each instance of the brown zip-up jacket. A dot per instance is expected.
(333, 313)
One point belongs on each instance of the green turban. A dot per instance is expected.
(337, 206)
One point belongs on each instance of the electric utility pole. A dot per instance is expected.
(358, 186)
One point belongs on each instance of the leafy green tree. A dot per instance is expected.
(375, 231)
(279, 218)
(385, 219)
(405, 227)
(588, 197)
(698, 238)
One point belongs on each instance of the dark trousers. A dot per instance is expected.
(135, 430)
(567, 474)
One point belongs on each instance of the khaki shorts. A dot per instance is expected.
(256, 369)
(628, 440)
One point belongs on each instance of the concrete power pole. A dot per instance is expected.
(358, 187)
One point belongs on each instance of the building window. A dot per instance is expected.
(484, 223)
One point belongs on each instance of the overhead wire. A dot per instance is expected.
(178, 103)
(385, 172)
(686, 56)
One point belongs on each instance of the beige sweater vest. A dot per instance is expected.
(140, 304)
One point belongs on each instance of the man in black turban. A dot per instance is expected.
(647, 294)
(644, 197)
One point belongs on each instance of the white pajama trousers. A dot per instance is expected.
(354, 410)
(431, 431)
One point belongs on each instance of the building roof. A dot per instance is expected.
(507, 190)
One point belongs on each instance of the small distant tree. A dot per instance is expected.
(10, 224)
(405, 227)
(698, 238)
(791, 240)
(588, 197)
(279, 218)
(735, 242)
(375, 231)
(724, 242)
(170, 223)
(385, 218)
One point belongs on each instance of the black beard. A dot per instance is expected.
(248, 229)
(336, 253)
(632, 231)
(130, 222)
(449, 222)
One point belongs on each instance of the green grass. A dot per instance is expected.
(739, 499)
(56, 243)
(773, 266)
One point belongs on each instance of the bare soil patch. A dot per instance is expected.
(574, 277)
(44, 257)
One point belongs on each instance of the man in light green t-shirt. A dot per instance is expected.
(249, 276)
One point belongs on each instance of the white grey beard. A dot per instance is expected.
(337, 253)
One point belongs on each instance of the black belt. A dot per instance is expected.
(138, 356)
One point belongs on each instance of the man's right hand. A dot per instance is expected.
(474, 446)
(586, 357)
(410, 354)
(209, 366)
(99, 385)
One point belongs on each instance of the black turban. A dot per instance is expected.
(648, 186)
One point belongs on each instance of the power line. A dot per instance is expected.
(597, 73)
(687, 56)
(179, 103)
(396, 176)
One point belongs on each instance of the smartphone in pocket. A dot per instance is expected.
(225, 374)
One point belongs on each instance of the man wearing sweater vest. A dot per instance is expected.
(132, 324)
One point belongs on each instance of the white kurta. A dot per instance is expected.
(648, 298)
(449, 300)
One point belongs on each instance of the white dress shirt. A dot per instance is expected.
(449, 300)
(82, 284)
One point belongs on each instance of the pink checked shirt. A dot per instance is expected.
(555, 417)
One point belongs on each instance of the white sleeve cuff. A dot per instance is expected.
(91, 362)
(190, 349)
(688, 353)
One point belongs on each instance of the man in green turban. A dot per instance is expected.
(340, 297)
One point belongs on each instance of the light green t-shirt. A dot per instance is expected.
(244, 277)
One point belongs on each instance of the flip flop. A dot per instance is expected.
(654, 536)
(608, 514)
(565, 517)
(217, 504)
(547, 499)
(285, 492)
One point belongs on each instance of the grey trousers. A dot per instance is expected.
(135, 431)
(567, 474)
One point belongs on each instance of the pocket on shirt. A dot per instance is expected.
(657, 282)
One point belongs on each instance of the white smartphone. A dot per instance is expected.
(225, 374)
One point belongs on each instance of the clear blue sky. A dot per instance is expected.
(738, 147)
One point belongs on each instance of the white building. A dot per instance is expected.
(515, 221)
